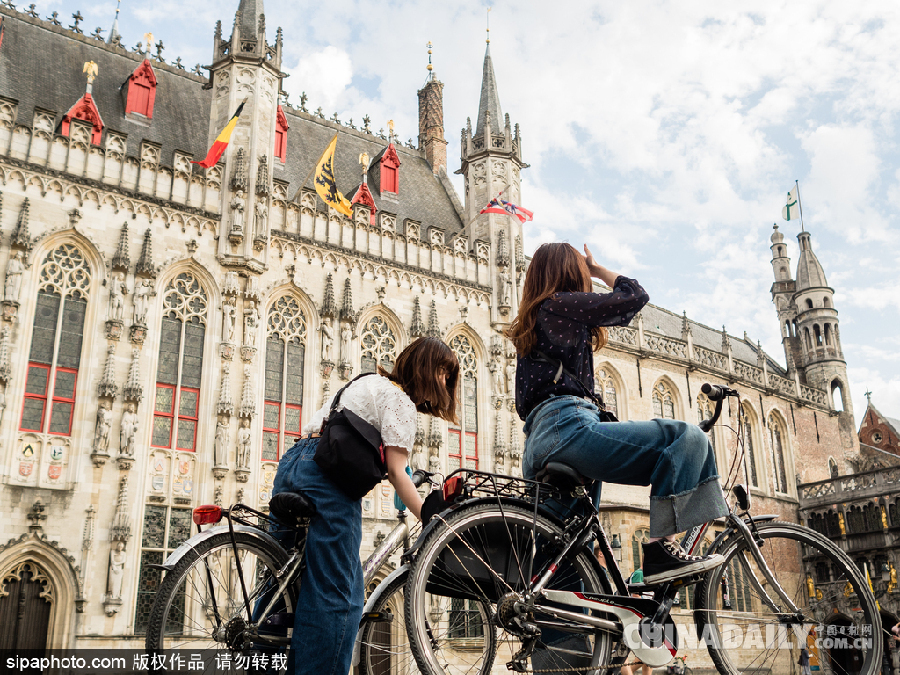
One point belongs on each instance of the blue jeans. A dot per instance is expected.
(331, 598)
(673, 457)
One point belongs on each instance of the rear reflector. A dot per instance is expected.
(209, 513)
(453, 488)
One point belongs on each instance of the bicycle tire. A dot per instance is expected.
(489, 538)
(766, 649)
(169, 624)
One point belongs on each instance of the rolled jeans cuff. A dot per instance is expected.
(681, 512)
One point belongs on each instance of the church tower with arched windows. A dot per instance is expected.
(809, 321)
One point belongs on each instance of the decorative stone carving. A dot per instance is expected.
(347, 304)
(107, 386)
(511, 378)
(417, 329)
(329, 305)
(128, 431)
(239, 177)
(120, 260)
(261, 233)
(231, 286)
(504, 291)
(224, 406)
(14, 269)
(142, 293)
(115, 575)
(244, 439)
(117, 292)
(5, 368)
(327, 341)
(101, 434)
(248, 399)
(134, 389)
(228, 320)
(220, 446)
(346, 337)
(20, 236)
(237, 218)
(434, 330)
(145, 264)
(251, 325)
(496, 368)
(252, 291)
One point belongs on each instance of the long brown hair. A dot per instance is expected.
(554, 268)
(417, 370)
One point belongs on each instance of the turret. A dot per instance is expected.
(782, 296)
(491, 163)
(431, 120)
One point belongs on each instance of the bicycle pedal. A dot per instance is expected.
(378, 616)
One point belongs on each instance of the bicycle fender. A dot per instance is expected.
(188, 545)
(376, 595)
(435, 521)
(728, 531)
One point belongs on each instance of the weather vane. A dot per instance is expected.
(489, 25)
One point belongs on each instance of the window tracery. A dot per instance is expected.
(285, 356)
(663, 401)
(776, 443)
(746, 431)
(463, 445)
(605, 386)
(379, 345)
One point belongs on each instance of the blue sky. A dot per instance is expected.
(666, 135)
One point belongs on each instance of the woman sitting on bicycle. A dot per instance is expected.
(559, 326)
(331, 597)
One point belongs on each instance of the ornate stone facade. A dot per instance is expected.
(237, 332)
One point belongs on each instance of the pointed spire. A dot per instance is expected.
(329, 306)
(417, 329)
(434, 330)
(145, 262)
(520, 255)
(809, 270)
(224, 406)
(120, 259)
(121, 524)
(107, 386)
(248, 398)
(239, 177)
(419, 440)
(685, 327)
(5, 368)
(489, 105)
(134, 390)
(435, 438)
(499, 443)
(726, 341)
(20, 236)
(502, 249)
(247, 18)
(114, 35)
(262, 177)
(347, 304)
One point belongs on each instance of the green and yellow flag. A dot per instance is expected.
(326, 185)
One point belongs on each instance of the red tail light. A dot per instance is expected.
(209, 513)
(453, 488)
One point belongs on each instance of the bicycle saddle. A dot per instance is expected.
(561, 476)
(291, 507)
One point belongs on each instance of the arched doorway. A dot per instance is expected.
(26, 601)
(844, 658)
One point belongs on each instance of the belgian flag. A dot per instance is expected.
(221, 142)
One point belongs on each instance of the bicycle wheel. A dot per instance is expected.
(184, 615)
(747, 635)
(384, 643)
(478, 557)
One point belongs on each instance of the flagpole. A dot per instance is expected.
(489, 202)
(800, 204)
(300, 187)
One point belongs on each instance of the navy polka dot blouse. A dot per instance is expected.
(562, 333)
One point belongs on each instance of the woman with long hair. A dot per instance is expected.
(561, 322)
(331, 598)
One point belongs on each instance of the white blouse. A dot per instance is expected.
(379, 402)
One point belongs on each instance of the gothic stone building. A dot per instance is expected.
(166, 329)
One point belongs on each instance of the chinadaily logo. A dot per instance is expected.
(758, 636)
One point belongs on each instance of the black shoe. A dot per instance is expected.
(665, 560)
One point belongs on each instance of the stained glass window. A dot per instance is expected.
(180, 366)
(56, 339)
(663, 401)
(379, 345)
(285, 352)
(164, 529)
(705, 411)
(746, 429)
(777, 446)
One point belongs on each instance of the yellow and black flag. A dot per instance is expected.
(326, 185)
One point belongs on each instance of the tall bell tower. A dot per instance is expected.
(246, 69)
(491, 161)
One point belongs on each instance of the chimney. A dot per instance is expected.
(431, 120)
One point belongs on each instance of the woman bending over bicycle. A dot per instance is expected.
(330, 601)
(561, 322)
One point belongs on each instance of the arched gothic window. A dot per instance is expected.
(463, 447)
(705, 409)
(746, 430)
(663, 401)
(379, 345)
(181, 340)
(776, 443)
(639, 537)
(285, 351)
(605, 386)
(56, 338)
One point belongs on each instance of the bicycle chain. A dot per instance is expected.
(584, 669)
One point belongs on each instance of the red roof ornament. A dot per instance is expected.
(390, 165)
(141, 90)
(85, 109)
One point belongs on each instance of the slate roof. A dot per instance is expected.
(41, 67)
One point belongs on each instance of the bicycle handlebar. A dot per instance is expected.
(718, 394)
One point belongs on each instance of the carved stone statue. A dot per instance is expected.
(116, 571)
(496, 367)
(262, 216)
(104, 421)
(228, 322)
(434, 462)
(128, 431)
(346, 335)
(327, 341)
(220, 448)
(116, 297)
(505, 284)
(515, 469)
(142, 293)
(237, 213)
(511, 378)
(14, 270)
(251, 321)
(243, 447)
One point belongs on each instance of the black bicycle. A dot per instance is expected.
(507, 575)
